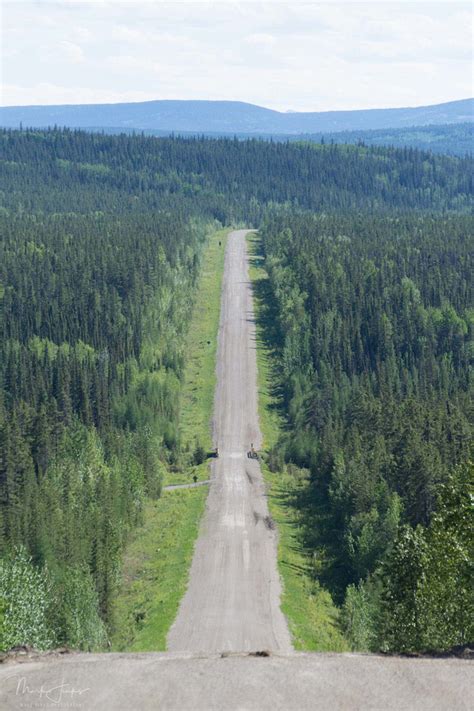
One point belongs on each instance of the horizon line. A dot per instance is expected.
(232, 101)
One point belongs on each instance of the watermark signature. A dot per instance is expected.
(57, 694)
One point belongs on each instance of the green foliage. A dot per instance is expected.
(75, 616)
(199, 454)
(42, 609)
(199, 377)
(25, 594)
(428, 598)
(373, 341)
(308, 607)
(101, 249)
(3, 609)
(360, 616)
(95, 306)
(155, 571)
(158, 555)
(455, 139)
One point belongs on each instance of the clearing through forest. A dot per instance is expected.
(233, 598)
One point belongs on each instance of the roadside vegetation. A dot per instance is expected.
(155, 571)
(199, 379)
(157, 559)
(311, 614)
(372, 335)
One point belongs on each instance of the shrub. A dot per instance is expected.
(25, 592)
(77, 620)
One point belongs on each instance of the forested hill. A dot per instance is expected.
(225, 178)
(101, 245)
(450, 139)
(229, 117)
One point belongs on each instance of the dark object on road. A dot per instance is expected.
(260, 653)
(252, 454)
(269, 523)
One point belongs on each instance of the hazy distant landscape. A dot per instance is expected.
(230, 117)
(443, 128)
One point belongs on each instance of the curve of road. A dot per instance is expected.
(233, 597)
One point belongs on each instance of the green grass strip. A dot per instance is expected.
(309, 609)
(155, 570)
(197, 397)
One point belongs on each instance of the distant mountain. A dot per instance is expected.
(230, 117)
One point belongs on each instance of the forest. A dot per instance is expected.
(375, 333)
(369, 256)
(452, 139)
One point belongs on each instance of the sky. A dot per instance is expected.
(297, 56)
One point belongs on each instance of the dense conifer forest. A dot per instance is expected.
(375, 318)
(369, 253)
(453, 139)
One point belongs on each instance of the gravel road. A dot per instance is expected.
(233, 598)
(180, 682)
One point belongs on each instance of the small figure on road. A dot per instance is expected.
(252, 454)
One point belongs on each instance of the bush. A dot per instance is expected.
(359, 616)
(428, 600)
(25, 592)
(199, 454)
(77, 618)
(276, 461)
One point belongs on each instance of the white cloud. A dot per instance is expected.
(126, 34)
(299, 55)
(261, 40)
(71, 51)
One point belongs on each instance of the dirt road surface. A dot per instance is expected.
(233, 599)
(297, 682)
(232, 602)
